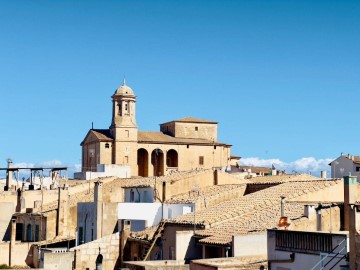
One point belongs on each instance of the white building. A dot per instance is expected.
(99, 218)
(345, 165)
(292, 250)
(105, 170)
(142, 211)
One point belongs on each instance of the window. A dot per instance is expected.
(127, 133)
(126, 107)
(358, 169)
(120, 112)
(19, 232)
(37, 233)
(196, 128)
(29, 233)
(126, 159)
(145, 196)
(107, 145)
(214, 146)
(81, 235)
(132, 196)
(187, 146)
(201, 160)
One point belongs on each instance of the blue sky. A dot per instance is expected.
(280, 77)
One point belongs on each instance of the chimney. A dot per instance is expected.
(98, 194)
(273, 172)
(309, 212)
(282, 206)
(323, 175)
(318, 217)
(8, 175)
(350, 196)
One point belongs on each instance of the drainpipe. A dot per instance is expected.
(138, 194)
(12, 240)
(291, 260)
(84, 238)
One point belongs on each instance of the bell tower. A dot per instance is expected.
(123, 113)
(123, 126)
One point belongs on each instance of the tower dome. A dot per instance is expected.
(124, 90)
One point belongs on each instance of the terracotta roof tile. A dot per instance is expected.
(256, 211)
(207, 193)
(241, 262)
(146, 235)
(154, 137)
(192, 120)
(255, 169)
(282, 178)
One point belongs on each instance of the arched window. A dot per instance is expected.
(172, 158)
(142, 162)
(98, 262)
(157, 160)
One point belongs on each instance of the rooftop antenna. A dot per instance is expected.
(92, 125)
(124, 81)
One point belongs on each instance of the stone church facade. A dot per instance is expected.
(180, 145)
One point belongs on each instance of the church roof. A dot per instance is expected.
(159, 137)
(192, 120)
(102, 135)
(124, 90)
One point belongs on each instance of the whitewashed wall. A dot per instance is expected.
(151, 212)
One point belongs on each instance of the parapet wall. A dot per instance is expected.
(86, 254)
(194, 180)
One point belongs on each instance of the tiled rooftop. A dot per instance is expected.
(190, 119)
(81, 194)
(238, 206)
(150, 181)
(253, 212)
(156, 136)
(55, 240)
(207, 193)
(242, 262)
(254, 169)
(252, 222)
(282, 178)
(146, 234)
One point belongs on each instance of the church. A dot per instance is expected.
(180, 145)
